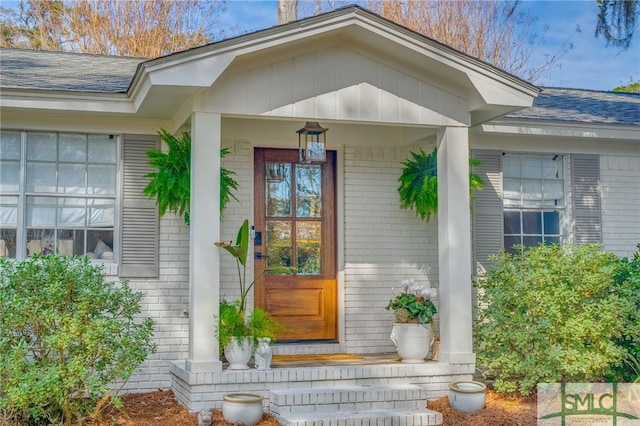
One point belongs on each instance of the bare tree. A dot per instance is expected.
(617, 21)
(493, 31)
(148, 28)
(287, 11)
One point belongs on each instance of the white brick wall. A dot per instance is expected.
(620, 187)
(240, 161)
(166, 301)
(383, 245)
(376, 261)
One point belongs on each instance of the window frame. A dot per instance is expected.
(23, 195)
(535, 207)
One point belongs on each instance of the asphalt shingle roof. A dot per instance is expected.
(584, 106)
(44, 70)
(63, 71)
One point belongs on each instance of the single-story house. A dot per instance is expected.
(560, 165)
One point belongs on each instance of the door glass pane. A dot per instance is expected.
(278, 193)
(41, 177)
(308, 248)
(308, 191)
(278, 242)
(102, 149)
(9, 145)
(100, 213)
(101, 179)
(71, 179)
(72, 147)
(71, 211)
(41, 211)
(9, 176)
(41, 146)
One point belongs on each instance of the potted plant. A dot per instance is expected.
(170, 182)
(238, 333)
(419, 183)
(412, 331)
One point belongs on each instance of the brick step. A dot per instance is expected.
(401, 404)
(417, 417)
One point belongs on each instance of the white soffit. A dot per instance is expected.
(561, 129)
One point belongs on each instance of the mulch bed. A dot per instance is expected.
(499, 410)
(160, 408)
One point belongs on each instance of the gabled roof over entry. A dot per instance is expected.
(160, 87)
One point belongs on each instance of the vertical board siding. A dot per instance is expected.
(140, 222)
(487, 208)
(585, 181)
(336, 83)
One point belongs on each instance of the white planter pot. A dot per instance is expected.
(412, 341)
(468, 397)
(239, 353)
(243, 408)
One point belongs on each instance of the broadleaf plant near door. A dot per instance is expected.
(170, 183)
(419, 183)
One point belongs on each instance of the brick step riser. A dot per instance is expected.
(341, 400)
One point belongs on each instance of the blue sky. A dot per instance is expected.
(589, 65)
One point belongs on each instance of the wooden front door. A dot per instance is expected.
(295, 227)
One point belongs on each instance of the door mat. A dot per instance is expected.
(315, 357)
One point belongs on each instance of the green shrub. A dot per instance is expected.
(66, 333)
(551, 314)
(627, 284)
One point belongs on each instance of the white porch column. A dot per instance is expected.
(454, 247)
(204, 258)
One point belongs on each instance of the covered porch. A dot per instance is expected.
(383, 92)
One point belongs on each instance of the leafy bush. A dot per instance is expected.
(66, 333)
(628, 286)
(550, 314)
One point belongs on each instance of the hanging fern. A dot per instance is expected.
(419, 183)
(170, 183)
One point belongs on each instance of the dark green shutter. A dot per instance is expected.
(140, 222)
(487, 216)
(585, 187)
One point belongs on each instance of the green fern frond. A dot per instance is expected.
(419, 183)
(170, 182)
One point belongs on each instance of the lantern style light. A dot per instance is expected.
(312, 143)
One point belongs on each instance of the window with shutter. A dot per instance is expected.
(139, 221)
(585, 182)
